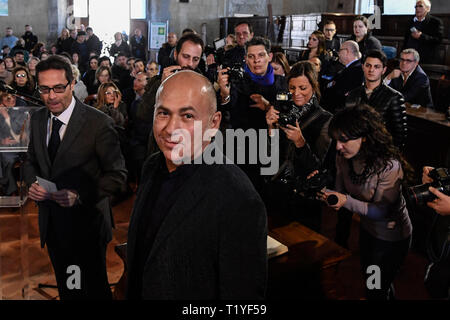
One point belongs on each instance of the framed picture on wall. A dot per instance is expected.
(157, 34)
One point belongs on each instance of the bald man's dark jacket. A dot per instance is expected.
(345, 80)
(211, 243)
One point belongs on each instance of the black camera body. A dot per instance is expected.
(308, 188)
(441, 181)
(236, 72)
(288, 111)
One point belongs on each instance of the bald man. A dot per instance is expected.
(198, 231)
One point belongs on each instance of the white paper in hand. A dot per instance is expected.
(47, 185)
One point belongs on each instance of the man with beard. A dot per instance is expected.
(187, 55)
(30, 39)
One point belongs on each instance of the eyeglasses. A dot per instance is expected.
(20, 75)
(406, 60)
(418, 6)
(56, 89)
(110, 92)
(330, 30)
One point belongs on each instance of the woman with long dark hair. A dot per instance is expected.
(370, 172)
(316, 47)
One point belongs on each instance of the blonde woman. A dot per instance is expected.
(109, 100)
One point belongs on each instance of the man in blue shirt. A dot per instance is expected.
(9, 39)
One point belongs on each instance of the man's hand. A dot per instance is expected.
(416, 34)
(223, 81)
(65, 198)
(210, 59)
(169, 71)
(8, 141)
(38, 193)
(442, 204)
(394, 74)
(260, 102)
(425, 175)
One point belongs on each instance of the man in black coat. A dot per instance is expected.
(198, 230)
(30, 39)
(77, 148)
(347, 79)
(244, 100)
(387, 101)
(138, 44)
(331, 41)
(93, 42)
(411, 80)
(166, 49)
(424, 32)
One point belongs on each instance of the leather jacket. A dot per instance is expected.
(390, 104)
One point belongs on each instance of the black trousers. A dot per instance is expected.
(91, 261)
(388, 256)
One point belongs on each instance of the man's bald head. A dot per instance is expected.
(349, 52)
(185, 104)
(185, 79)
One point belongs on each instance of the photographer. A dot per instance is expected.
(370, 170)
(245, 98)
(187, 55)
(437, 277)
(442, 202)
(309, 141)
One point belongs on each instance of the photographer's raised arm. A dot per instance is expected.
(224, 85)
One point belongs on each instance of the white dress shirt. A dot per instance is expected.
(64, 117)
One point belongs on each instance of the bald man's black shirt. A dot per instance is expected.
(164, 193)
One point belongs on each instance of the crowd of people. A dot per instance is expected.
(349, 119)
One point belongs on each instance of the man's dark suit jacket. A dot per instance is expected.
(211, 244)
(89, 161)
(432, 32)
(345, 80)
(416, 89)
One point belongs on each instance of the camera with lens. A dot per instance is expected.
(236, 72)
(308, 188)
(289, 112)
(441, 181)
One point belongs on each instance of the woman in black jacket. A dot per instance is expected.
(304, 145)
(362, 35)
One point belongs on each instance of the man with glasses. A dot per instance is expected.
(411, 80)
(77, 148)
(244, 32)
(332, 43)
(424, 32)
